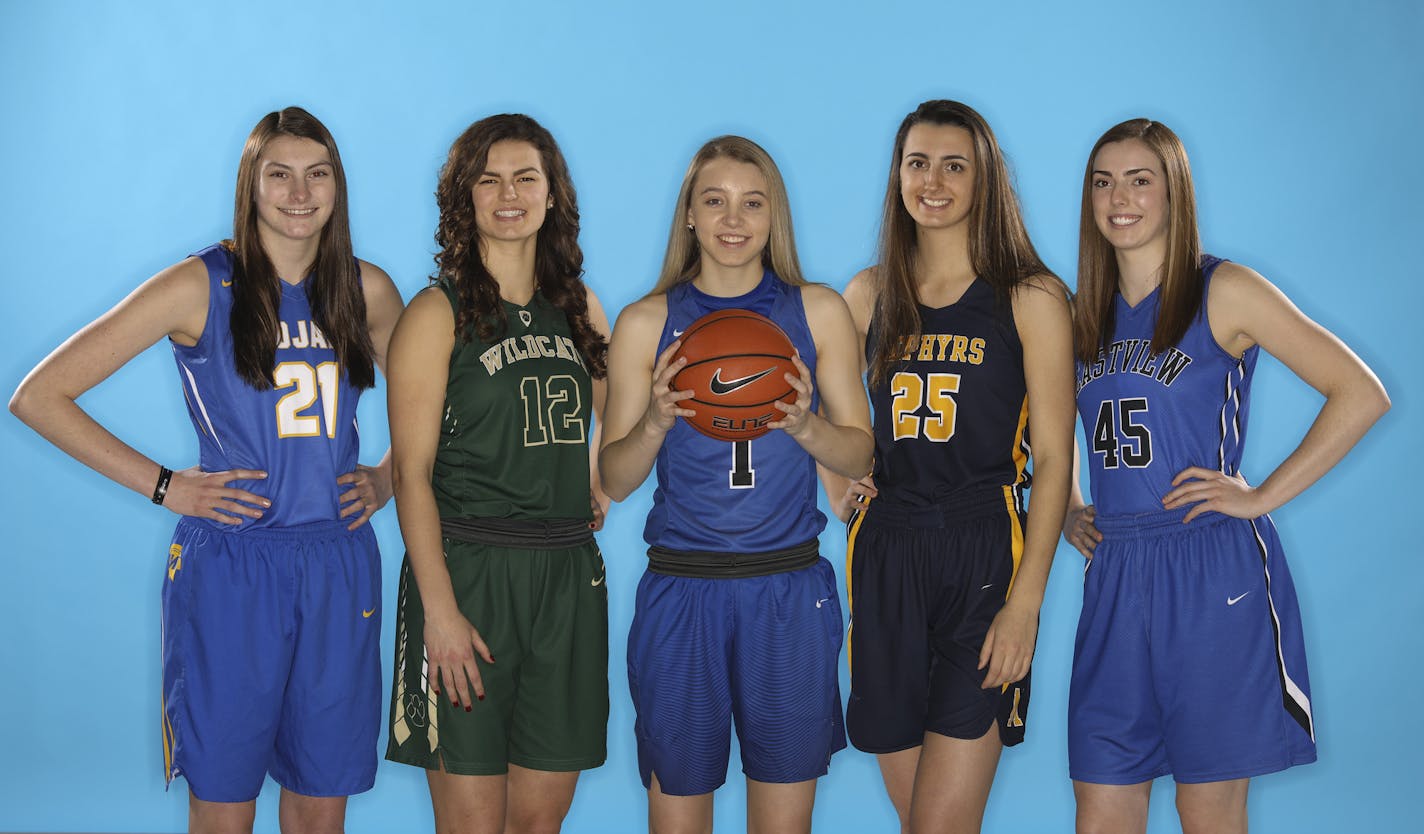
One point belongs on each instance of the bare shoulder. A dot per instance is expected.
(1040, 295)
(1233, 283)
(430, 307)
(645, 314)
(820, 300)
(383, 300)
(375, 280)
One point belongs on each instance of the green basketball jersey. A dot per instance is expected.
(518, 416)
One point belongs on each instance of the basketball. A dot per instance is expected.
(735, 365)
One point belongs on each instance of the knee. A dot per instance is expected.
(540, 821)
(1218, 810)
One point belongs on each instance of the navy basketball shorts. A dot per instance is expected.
(763, 651)
(925, 585)
(1189, 658)
(271, 660)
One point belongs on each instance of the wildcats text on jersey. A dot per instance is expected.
(517, 348)
(1132, 356)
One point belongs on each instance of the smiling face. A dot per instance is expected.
(296, 188)
(511, 195)
(937, 175)
(1130, 205)
(730, 213)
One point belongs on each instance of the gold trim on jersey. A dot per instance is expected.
(857, 518)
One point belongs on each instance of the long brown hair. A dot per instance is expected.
(338, 305)
(684, 255)
(558, 260)
(1000, 250)
(1180, 297)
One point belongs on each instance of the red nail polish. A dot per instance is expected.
(481, 697)
(472, 709)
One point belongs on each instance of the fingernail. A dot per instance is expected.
(472, 709)
(481, 697)
(266, 503)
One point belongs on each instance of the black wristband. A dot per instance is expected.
(160, 490)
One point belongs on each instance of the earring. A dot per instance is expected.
(551, 203)
(691, 228)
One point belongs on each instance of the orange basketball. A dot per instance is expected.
(736, 361)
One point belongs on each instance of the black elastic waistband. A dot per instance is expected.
(551, 534)
(702, 564)
(966, 505)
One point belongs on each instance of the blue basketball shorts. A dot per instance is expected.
(925, 585)
(271, 660)
(762, 651)
(1189, 658)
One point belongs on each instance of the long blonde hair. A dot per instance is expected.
(1180, 296)
(684, 256)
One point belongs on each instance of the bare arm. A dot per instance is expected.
(642, 406)
(844, 493)
(173, 303)
(370, 486)
(597, 497)
(1045, 329)
(839, 436)
(417, 375)
(1244, 310)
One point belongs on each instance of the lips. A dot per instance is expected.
(292, 212)
(933, 203)
(733, 240)
(510, 214)
(1123, 220)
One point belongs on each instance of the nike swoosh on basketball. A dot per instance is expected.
(719, 386)
(1234, 600)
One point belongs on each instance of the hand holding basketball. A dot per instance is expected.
(663, 409)
(737, 365)
(799, 411)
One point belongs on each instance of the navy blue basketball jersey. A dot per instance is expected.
(301, 432)
(750, 496)
(1149, 416)
(953, 415)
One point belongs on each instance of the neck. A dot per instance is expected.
(727, 282)
(511, 263)
(1139, 272)
(942, 258)
(292, 259)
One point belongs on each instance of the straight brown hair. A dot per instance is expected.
(334, 289)
(999, 246)
(1179, 299)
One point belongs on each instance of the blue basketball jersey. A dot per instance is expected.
(302, 432)
(751, 496)
(1149, 416)
(953, 416)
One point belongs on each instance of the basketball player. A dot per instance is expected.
(501, 681)
(1189, 655)
(737, 616)
(966, 340)
(271, 597)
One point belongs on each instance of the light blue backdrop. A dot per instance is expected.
(123, 123)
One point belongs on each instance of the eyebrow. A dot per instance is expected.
(515, 174)
(1128, 172)
(946, 156)
(273, 162)
(720, 188)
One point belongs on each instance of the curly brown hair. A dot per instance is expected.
(558, 260)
